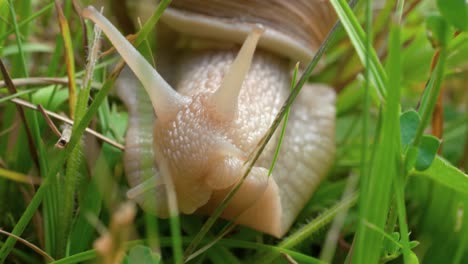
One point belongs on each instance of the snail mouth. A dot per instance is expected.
(256, 203)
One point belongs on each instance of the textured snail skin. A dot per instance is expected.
(204, 151)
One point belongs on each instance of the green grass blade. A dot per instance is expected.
(394, 77)
(358, 39)
(229, 243)
(376, 188)
(306, 231)
(430, 95)
(55, 169)
(29, 19)
(69, 182)
(285, 122)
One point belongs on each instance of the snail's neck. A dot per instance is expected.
(203, 70)
(263, 91)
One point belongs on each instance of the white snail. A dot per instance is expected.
(222, 103)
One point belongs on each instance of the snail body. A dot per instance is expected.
(222, 104)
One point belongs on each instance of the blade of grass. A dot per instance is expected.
(376, 187)
(69, 58)
(68, 121)
(394, 79)
(82, 232)
(330, 244)
(167, 242)
(15, 95)
(463, 244)
(18, 177)
(39, 81)
(365, 160)
(306, 231)
(28, 19)
(285, 122)
(358, 39)
(29, 133)
(30, 245)
(67, 184)
(319, 222)
(22, 256)
(4, 16)
(431, 93)
(12, 50)
(18, 35)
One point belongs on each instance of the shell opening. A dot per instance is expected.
(164, 99)
(225, 99)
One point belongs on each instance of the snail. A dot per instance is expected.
(220, 105)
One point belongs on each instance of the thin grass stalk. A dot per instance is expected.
(364, 164)
(285, 122)
(69, 58)
(395, 78)
(376, 189)
(313, 226)
(68, 183)
(430, 95)
(167, 242)
(399, 180)
(358, 39)
(329, 246)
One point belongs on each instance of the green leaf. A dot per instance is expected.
(455, 12)
(390, 247)
(427, 152)
(446, 174)
(142, 254)
(438, 30)
(414, 243)
(409, 122)
(413, 258)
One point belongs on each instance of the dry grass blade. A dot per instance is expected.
(49, 121)
(288, 258)
(69, 59)
(19, 177)
(30, 245)
(12, 89)
(35, 81)
(69, 121)
(78, 9)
